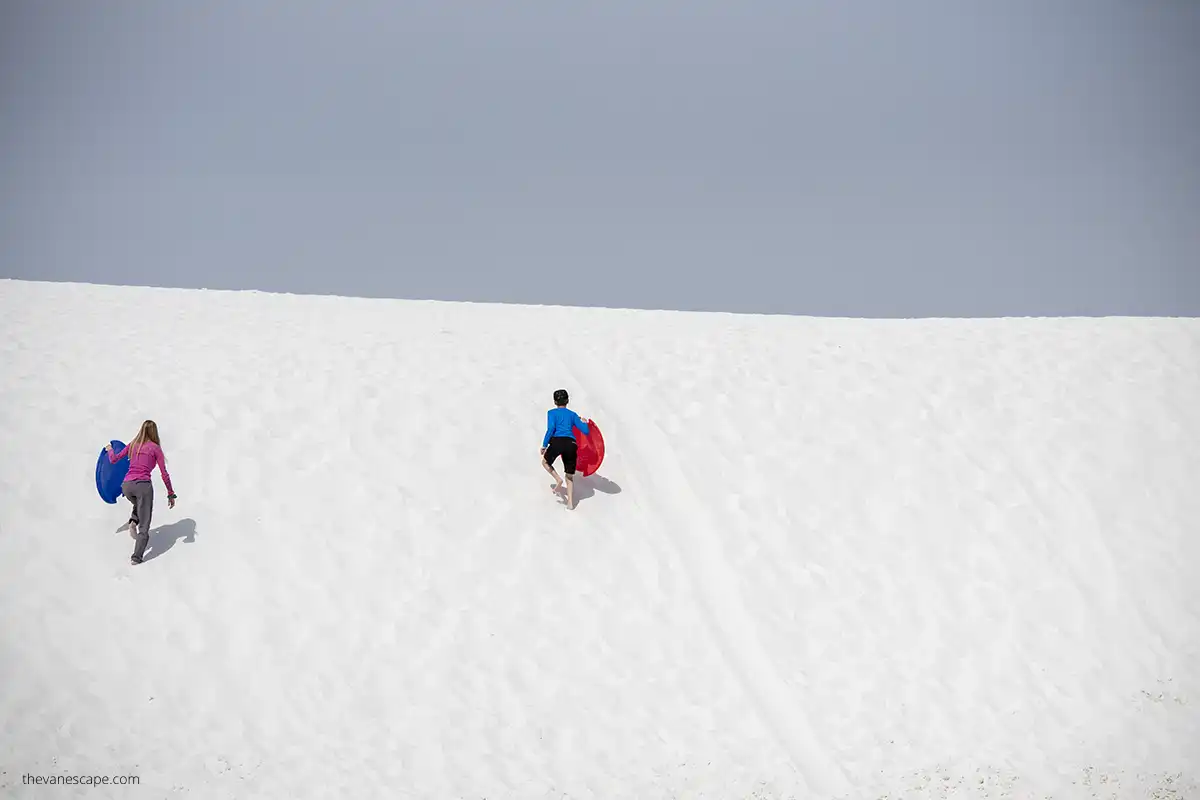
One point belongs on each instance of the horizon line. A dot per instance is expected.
(572, 307)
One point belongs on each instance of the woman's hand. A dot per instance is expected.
(108, 447)
(170, 501)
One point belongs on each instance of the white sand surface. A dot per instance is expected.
(823, 558)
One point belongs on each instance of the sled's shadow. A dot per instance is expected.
(164, 538)
(586, 488)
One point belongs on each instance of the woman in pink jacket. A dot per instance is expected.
(145, 452)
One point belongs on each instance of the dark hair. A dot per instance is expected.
(560, 397)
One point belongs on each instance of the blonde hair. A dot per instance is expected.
(147, 433)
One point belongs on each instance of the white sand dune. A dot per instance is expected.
(823, 558)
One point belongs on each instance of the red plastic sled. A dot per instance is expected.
(590, 449)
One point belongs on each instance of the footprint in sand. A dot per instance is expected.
(216, 765)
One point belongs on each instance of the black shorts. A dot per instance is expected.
(563, 446)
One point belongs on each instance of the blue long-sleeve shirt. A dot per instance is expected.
(560, 422)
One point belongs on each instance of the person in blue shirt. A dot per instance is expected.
(560, 441)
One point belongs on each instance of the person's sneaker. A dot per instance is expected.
(134, 561)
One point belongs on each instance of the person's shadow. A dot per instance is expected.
(164, 538)
(587, 487)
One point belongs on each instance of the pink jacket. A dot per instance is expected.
(140, 464)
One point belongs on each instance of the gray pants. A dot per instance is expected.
(141, 494)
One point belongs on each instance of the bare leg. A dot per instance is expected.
(557, 480)
(570, 492)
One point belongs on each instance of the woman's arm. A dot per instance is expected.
(161, 459)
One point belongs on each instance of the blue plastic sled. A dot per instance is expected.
(109, 476)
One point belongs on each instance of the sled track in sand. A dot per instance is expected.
(723, 611)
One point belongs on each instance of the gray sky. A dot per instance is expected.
(865, 159)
